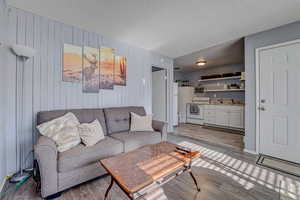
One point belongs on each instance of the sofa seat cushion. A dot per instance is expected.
(134, 140)
(82, 155)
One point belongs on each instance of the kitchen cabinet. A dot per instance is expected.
(228, 116)
(209, 115)
(222, 118)
(236, 119)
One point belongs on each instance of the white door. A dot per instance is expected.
(175, 104)
(279, 101)
(159, 95)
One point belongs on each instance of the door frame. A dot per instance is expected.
(257, 92)
(166, 89)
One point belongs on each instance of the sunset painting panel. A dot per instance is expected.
(91, 71)
(106, 68)
(120, 70)
(72, 63)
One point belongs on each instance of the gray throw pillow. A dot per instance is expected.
(141, 123)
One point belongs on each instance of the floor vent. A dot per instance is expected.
(279, 164)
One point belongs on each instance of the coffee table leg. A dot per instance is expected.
(195, 181)
(109, 187)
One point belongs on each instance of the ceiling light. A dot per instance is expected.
(201, 63)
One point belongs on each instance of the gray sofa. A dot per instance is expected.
(59, 171)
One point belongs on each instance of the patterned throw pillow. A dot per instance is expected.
(63, 131)
(91, 133)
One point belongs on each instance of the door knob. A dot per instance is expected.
(263, 101)
(261, 108)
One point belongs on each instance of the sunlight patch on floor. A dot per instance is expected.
(152, 192)
(251, 173)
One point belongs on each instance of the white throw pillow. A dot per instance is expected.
(141, 123)
(63, 131)
(91, 133)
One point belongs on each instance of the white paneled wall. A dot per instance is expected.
(42, 86)
(3, 90)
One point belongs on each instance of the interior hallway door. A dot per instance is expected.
(279, 101)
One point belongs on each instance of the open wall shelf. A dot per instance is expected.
(224, 78)
(225, 90)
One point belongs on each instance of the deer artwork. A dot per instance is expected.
(89, 71)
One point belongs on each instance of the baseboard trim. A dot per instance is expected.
(250, 151)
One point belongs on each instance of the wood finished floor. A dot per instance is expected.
(224, 137)
(223, 174)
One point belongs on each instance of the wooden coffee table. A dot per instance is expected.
(149, 165)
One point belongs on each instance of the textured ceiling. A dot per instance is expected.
(227, 53)
(171, 27)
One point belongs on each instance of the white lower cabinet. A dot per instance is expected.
(224, 116)
(236, 119)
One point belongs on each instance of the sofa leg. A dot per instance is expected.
(53, 196)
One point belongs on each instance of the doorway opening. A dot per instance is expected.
(159, 93)
(211, 94)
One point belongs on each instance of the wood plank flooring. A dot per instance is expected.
(224, 137)
(223, 174)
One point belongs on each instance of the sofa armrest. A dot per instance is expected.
(161, 127)
(46, 154)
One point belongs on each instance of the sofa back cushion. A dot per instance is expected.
(83, 115)
(118, 119)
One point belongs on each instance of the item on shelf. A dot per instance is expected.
(242, 86)
(225, 76)
(199, 89)
(216, 101)
(234, 86)
(241, 102)
(225, 86)
(183, 83)
(243, 76)
(227, 101)
(211, 76)
(228, 75)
